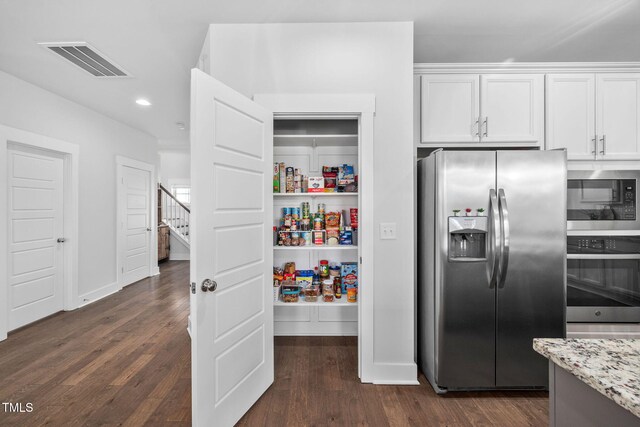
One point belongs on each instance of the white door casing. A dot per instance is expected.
(231, 187)
(135, 221)
(70, 153)
(35, 209)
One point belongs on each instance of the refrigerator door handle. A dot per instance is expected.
(503, 265)
(494, 238)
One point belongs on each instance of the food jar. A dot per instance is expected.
(290, 292)
(327, 290)
(352, 294)
(311, 293)
(324, 268)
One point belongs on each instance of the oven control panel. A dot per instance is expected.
(629, 199)
(603, 244)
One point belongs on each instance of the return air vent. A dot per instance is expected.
(82, 55)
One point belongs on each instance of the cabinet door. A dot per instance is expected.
(618, 116)
(449, 108)
(571, 114)
(512, 108)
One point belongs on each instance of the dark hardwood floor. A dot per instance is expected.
(125, 360)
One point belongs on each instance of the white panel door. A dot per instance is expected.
(449, 108)
(35, 212)
(231, 215)
(135, 249)
(571, 114)
(512, 108)
(618, 116)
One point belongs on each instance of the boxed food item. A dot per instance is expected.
(353, 213)
(276, 177)
(333, 237)
(289, 182)
(283, 177)
(345, 174)
(315, 184)
(346, 236)
(330, 175)
(304, 278)
(332, 220)
(349, 273)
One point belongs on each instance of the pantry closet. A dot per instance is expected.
(311, 147)
(324, 148)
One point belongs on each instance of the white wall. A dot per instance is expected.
(174, 167)
(28, 107)
(372, 58)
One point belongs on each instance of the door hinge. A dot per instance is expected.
(193, 287)
(360, 260)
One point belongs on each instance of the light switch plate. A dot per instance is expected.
(387, 230)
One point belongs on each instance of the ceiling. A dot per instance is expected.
(158, 41)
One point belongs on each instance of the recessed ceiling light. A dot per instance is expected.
(143, 102)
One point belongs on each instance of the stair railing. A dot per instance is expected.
(174, 213)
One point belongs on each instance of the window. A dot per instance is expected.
(182, 193)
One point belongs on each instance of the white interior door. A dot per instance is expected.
(231, 211)
(135, 223)
(35, 212)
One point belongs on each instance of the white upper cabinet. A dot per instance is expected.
(471, 108)
(571, 114)
(618, 116)
(512, 108)
(594, 116)
(450, 108)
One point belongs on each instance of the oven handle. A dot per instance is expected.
(603, 256)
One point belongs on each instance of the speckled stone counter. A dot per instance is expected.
(609, 366)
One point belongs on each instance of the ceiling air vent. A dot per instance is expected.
(86, 57)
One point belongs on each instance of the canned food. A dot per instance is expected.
(295, 213)
(305, 210)
(321, 208)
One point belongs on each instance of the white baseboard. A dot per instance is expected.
(179, 257)
(100, 293)
(395, 374)
(155, 271)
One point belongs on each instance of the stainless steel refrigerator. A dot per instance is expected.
(491, 266)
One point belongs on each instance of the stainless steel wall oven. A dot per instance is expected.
(603, 283)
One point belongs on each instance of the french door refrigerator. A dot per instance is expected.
(491, 266)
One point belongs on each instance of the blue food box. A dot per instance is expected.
(349, 273)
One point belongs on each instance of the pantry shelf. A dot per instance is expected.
(316, 248)
(315, 140)
(336, 303)
(313, 195)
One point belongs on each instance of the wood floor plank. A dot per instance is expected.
(125, 360)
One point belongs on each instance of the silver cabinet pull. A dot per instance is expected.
(61, 240)
(208, 285)
(604, 146)
(476, 127)
(486, 126)
(595, 145)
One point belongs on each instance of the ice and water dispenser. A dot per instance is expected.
(467, 238)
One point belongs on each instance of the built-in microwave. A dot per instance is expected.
(602, 200)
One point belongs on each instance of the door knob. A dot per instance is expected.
(61, 240)
(148, 228)
(209, 285)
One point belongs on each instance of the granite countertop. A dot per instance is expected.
(610, 366)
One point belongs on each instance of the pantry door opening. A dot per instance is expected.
(323, 158)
